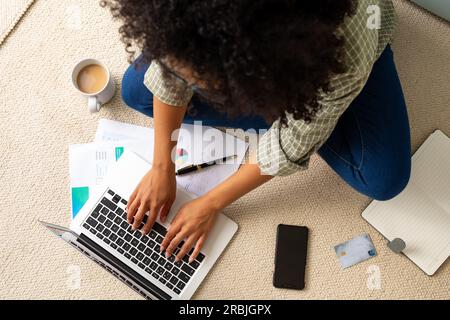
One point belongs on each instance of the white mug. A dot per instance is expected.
(96, 99)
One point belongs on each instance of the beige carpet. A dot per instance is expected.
(41, 115)
(10, 14)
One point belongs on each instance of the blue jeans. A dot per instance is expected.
(369, 148)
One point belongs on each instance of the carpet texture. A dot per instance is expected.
(41, 115)
(10, 14)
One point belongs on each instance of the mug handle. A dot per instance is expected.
(93, 104)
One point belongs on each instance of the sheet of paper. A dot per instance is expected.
(110, 130)
(420, 215)
(195, 145)
(89, 164)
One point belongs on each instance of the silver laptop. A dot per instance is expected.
(101, 232)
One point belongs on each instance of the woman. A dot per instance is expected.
(318, 74)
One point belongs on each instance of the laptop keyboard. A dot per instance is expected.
(108, 222)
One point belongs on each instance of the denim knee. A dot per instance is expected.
(128, 89)
(134, 92)
(392, 185)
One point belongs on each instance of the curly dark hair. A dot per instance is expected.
(264, 57)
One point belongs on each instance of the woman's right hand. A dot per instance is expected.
(155, 194)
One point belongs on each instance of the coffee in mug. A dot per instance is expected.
(93, 80)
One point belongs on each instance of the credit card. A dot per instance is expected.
(355, 250)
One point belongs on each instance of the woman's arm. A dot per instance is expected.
(156, 191)
(166, 119)
(247, 178)
(194, 221)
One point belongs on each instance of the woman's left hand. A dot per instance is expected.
(191, 224)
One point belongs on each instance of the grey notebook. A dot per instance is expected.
(438, 7)
(420, 215)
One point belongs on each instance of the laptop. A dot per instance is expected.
(101, 232)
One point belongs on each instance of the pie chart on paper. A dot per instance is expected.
(181, 157)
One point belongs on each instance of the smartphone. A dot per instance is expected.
(290, 257)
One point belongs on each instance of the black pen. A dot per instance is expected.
(196, 167)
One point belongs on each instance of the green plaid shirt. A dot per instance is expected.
(285, 150)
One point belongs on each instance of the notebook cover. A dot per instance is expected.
(420, 215)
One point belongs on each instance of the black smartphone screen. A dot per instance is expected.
(290, 257)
